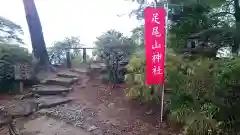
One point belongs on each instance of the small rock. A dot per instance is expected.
(121, 109)
(37, 96)
(149, 112)
(28, 95)
(78, 124)
(83, 86)
(64, 94)
(95, 85)
(111, 105)
(97, 132)
(91, 128)
(106, 121)
(163, 125)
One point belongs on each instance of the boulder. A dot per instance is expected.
(19, 108)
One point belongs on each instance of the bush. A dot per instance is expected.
(10, 55)
(135, 77)
(205, 97)
(193, 90)
(228, 96)
(203, 87)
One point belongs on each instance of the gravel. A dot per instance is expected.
(75, 114)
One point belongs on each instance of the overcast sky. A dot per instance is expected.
(61, 18)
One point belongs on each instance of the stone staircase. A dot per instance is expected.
(59, 84)
(51, 92)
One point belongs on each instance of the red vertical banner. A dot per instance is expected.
(155, 44)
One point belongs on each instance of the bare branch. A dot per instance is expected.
(222, 14)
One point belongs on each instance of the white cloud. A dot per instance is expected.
(61, 18)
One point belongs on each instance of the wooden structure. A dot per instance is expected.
(68, 56)
(84, 55)
(22, 72)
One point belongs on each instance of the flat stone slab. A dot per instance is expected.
(50, 89)
(49, 126)
(51, 101)
(18, 108)
(60, 81)
(68, 74)
(95, 66)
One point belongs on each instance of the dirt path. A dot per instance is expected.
(96, 109)
(116, 114)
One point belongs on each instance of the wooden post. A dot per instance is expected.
(84, 55)
(162, 103)
(68, 57)
(21, 86)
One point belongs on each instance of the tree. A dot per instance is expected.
(194, 23)
(57, 53)
(9, 31)
(113, 47)
(138, 35)
(114, 40)
(10, 54)
(228, 7)
(36, 34)
(219, 19)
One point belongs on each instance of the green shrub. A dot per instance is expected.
(203, 87)
(193, 85)
(135, 78)
(10, 55)
(228, 95)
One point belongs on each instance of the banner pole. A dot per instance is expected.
(166, 33)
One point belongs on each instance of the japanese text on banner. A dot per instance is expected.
(155, 45)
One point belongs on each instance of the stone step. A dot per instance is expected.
(68, 74)
(79, 70)
(51, 101)
(60, 81)
(50, 89)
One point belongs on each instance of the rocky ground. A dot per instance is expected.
(95, 108)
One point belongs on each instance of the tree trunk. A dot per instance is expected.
(36, 34)
(235, 47)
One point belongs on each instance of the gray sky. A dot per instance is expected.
(85, 18)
